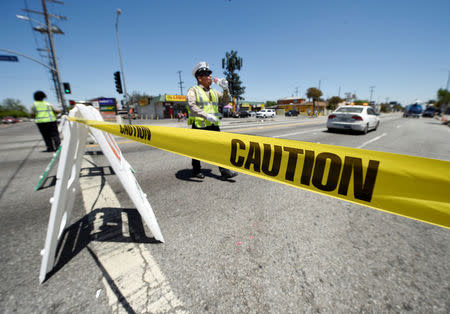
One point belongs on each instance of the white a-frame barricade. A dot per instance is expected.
(73, 147)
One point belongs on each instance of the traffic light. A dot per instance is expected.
(118, 82)
(66, 88)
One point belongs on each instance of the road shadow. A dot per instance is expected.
(349, 132)
(96, 171)
(49, 182)
(93, 153)
(102, 225)
(186, 175)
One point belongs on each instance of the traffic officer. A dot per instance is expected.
(44, 116)
(203, 108)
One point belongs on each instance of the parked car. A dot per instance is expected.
(429, 112)
(252, 113)
(9, 120)
(414, 110)
(243, 114)
(266, 113)
(291, 113)
(356, 118)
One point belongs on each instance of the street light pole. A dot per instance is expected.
(119, 11)
(54, 61)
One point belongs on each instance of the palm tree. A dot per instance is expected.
(315, 94)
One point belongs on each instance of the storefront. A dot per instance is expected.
(174, 104)
(161, 106)
(252, 105)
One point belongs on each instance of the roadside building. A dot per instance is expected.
(321, 107)
(251, 105)
(301, 105)
(161, 106)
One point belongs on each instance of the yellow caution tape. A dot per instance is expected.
(413, 187)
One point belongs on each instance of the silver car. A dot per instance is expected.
(356, 118)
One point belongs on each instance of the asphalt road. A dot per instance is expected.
(249, 246)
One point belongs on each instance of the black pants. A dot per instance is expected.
(49, 131)
(196, 163)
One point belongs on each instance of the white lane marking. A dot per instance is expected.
(399, 126)
(301, 132)
(372, 140)
(130, 265)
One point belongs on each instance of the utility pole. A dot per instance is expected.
(296, 92)
(52, 53)
(319, 83)
(339, 93)
(54, 59)
(448, 81)
(446, 95)
(371, 93)
(180, 83)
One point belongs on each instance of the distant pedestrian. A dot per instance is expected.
(180, 116)
(309, 112)
(45, 118)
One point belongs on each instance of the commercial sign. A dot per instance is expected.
(107, 108)
(107, 104)
(143, 102)
(180, 98)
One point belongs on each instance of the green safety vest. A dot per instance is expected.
(209, 104)
(44, 112)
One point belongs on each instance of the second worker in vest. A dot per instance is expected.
(203, 108)
(44, 116)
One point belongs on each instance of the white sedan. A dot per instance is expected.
(356, 118)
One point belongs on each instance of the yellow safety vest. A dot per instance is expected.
(44, 112)
(209, 104)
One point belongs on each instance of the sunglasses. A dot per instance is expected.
(204, 73)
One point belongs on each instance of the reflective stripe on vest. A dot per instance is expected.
(44, 112)
(210, 106)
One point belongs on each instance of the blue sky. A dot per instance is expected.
(401, 47)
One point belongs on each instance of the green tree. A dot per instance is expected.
(13, 104)
(443, 97)
(232, 63)
(385, 107)
(333, 102)
(315, 94)
(397, 108)
(13, 107)
(135, 96)
(271, 103)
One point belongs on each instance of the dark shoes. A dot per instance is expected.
(228, 175)
(198, 175)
